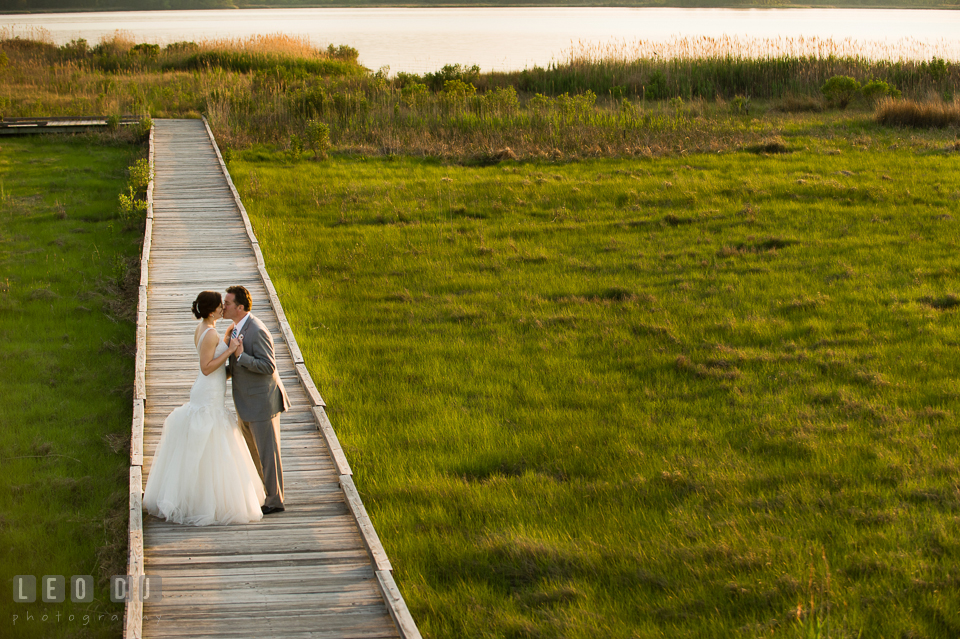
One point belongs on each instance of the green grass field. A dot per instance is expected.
(712, 395)
(67, 269)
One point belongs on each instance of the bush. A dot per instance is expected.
(75, 49)
(467, 75)
(140, 176)
(876, 89)
(318, 138)
(132, 208)
(840, 90)
(146, 50)
(656, 86)
(740, 105)
(343, 52)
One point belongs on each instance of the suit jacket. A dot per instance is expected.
(258, 392)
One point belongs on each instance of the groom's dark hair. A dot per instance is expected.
(241, 296)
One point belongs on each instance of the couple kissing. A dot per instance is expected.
(211, 467)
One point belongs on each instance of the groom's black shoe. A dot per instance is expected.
(267, 510)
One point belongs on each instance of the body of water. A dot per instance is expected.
(421, 39)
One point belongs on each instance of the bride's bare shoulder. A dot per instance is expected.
(209, 336)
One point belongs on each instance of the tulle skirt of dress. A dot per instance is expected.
(202, 472)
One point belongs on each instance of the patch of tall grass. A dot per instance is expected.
(729, 66)
(912, 113)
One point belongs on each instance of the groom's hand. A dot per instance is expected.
(237, 344)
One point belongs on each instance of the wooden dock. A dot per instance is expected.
(315, 570)
(79, 124)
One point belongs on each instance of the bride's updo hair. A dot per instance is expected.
(206, 303)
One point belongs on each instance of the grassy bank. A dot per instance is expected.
(688, 95)
(702, 396)
(68, 278)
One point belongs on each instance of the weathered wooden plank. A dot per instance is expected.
(330, 437)
(258, 255)
(270, 559)
(397, 606)
(139, 373)
(133, 615)
(136, 436)
(147, 239)
(291, 341)
(367, 531)
(308, 385)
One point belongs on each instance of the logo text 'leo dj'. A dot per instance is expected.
(53, 588)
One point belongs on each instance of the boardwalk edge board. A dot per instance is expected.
(394, 601)
(133, 611)
(396, 605)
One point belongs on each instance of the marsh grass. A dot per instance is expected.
(912, 113)
(639, 100)
(701, 396)
(68, 289)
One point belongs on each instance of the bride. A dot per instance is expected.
(202, 471)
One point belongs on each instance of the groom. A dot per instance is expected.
(258, 393)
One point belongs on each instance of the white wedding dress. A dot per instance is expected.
(202, 471)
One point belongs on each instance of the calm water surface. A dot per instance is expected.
(418, 40)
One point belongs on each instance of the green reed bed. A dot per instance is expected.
(702, 396)
(68, 282)
(728, 67)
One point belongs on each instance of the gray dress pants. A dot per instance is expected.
(263, 440)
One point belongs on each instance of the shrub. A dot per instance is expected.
(75, 49)
(656, 86)
(146, 50)
(467, 75)
(343, 52)
(295, 148)
(876, 89)
(318, 138)
(740, 105)
(502, 101)
(414, 94)
(404, 79)
(140, 176)
(840, 90)
(132, 208)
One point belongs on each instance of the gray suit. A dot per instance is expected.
(259, 397)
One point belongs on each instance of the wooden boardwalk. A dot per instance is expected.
(315, 570)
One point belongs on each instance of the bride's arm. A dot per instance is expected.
(209, 363)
